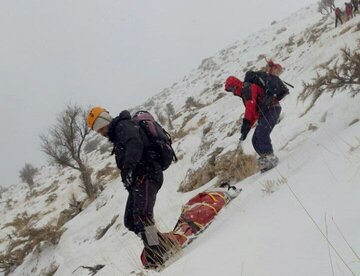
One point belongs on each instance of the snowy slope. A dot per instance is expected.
(279, 224)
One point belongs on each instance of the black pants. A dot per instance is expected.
(139, 211)
(336, 20)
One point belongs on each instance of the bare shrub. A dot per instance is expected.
(170, 112)
(326, 6)
(10, 204)
(2, 190)
(300, 42)
(343, 75)
(207, 64)
(95, 269)
(290, 41)
(236, 126)
(190, 102)
(71, 179)
(232, 166)
(187, 119)
(51, 198)
(217, 85)
(219, 96)
(149, 103)
(261, 57)
(181, 133)
(312, 127)
(160, 116)
(202, 121)
(27, 174)
(281, 30)
(356, 147)
(206, 143)
(75, 207)
(101, 231)
(313, 33)
(207, 128)
(64, 142)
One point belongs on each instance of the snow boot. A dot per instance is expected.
(267, 162)
(158, 248)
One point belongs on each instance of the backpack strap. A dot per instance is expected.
(174, 154)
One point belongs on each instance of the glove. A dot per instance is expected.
(245, 128)
(127, 178)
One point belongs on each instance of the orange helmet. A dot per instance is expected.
(94, 114)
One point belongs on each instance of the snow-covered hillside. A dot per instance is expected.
(301, 218)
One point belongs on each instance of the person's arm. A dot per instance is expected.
(129, 137)
(250, 95)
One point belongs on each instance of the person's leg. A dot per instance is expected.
(261, 139)
(128, 215)
(144, 197)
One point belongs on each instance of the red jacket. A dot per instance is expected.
(337, 12)
(250, 94)
(349, 9)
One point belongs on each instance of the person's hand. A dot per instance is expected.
(127, 178)
(245, 128)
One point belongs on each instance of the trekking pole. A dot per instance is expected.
(238, 149)
(288, 84)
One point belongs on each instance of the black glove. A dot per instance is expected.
(127, 178)
(245, 128)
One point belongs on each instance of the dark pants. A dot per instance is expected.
(338, 18)
(139, 211)
(261, 141)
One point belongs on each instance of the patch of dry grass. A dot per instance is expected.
(108, 173)
(51, 198)
(35, 193)
(25, 239)
(346, 30)
(232, 166)
(21, 221)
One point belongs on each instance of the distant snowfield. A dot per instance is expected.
(301, 218)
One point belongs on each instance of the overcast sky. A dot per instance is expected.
(114, 53)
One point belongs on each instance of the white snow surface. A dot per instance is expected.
(308, 225)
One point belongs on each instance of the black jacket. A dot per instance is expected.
(130, 144)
